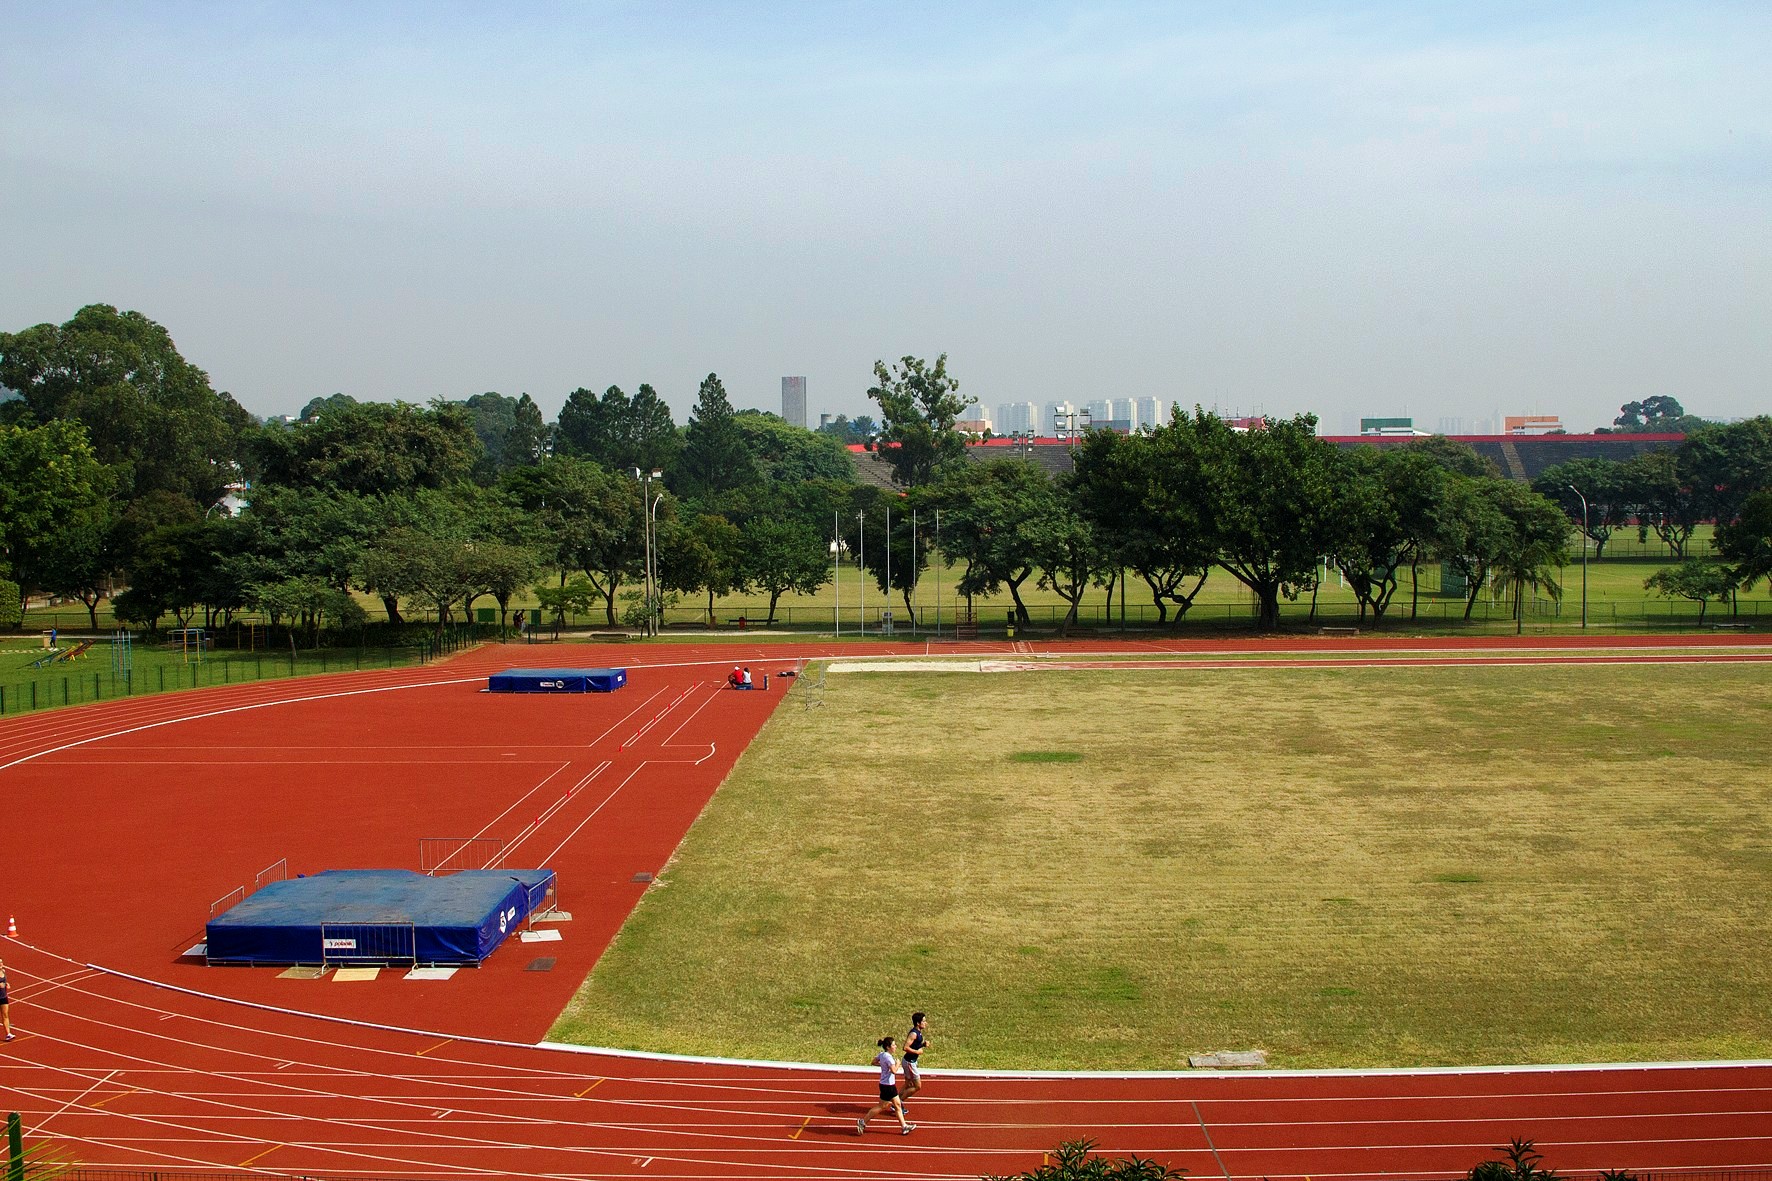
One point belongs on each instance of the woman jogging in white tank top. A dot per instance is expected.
(888, 1090)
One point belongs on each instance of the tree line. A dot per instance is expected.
(116, 454)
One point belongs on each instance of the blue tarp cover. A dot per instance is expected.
(557, 680)
(457, 919)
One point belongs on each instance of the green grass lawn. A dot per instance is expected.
(1344, 867)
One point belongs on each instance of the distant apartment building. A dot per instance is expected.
(793, 400)
(1015, 417)
(1150, 412)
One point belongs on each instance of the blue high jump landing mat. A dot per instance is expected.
(557, 680)
(378, 916)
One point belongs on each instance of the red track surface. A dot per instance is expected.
(124, 822)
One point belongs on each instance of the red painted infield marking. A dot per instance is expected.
(151, 833)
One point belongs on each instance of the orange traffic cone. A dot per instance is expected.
(11, 927)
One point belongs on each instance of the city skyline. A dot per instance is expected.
(1370, 210)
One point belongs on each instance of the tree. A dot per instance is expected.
(1698, 579)
(1649, 413)
(1468, 531)
(782, 453)
(372, 449)
(1605, 484)
(589, 519)
(1747, 541)
(1449, 454)
(1068, 553)
(1664, 500)
(619, 432)
(1142, 496)
(701, 553)
(50, 483)
(783, 556)
(1724, 465)
(919, 406)
(1269, 501)
(1379, 521)
(148, 412)
(714, 458)
(989, 512)
(1533, 546)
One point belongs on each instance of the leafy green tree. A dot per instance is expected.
(1698, 579)
(701, 552)
(166, 574)
(1075, 1160)
(1534, 545)
(989, 514)
(589, 519)
(499, 569)
(714, 458)
(1650, 414)
(318, 406)
(1726, 464)
(1664, 500)
(1469, 531)
(371, 449)
(1747, 541)
(619, 432)
(309, 605)
(1069, 555)
(1269, 501)
(322, 533)
(784, 557)
(782, 453)
(79, 559)
(50, 484)
(1605, 484)
(919, 405)
(1460, 459)
(1369, 539)
(1142, 496)
(148, 412)
(575, 597)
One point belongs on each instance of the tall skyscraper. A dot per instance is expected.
(793, 400)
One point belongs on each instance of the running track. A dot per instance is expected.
(125, 821)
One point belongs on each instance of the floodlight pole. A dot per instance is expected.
(916, 572)
(861, 595)
(837, 576)
(1584, 540)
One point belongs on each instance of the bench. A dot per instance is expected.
(1338, 631)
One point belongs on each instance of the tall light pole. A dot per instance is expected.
(861, 583)
(655, 604)
(649, 530)
(1584, 540)
(836, 577)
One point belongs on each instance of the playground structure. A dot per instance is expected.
(62, 655)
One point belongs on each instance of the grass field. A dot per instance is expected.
(1344, 867)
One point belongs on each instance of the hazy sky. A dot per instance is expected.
(1410, 208)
